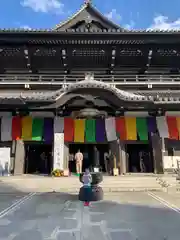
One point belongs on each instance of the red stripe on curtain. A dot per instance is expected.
(172, 128)
(121, 128)
(68, 129)
(16, 128)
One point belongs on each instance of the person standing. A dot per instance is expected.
(142, 165)
(71, 160)
(87, 180)
(96, 158)
(79, 161)
(106, 161)
(44, 166)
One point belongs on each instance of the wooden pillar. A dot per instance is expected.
(66, 156)
(19, 158)
(122, 153)
(157, 146)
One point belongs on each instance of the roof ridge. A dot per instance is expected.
(71, 17)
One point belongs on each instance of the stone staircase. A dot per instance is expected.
(72, 184)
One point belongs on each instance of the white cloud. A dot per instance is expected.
(44, 5)
(163, 23)
(130, 26)
(113, 15)
(26, 27)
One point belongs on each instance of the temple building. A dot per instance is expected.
(89, 84)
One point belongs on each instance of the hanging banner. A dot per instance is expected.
(131, 130)
(172, 127)
(37, 129)
(142, 128)
(16, 128)
(27, 128)
(152, 126)
(110, 126)
(5, 161)
(6, 129)
(48, 130)
(58, 125)
(79, 130)
(162, 127)
(68, 129)
(58, 151)
(100, 131)
(90, 130)
(121, 128)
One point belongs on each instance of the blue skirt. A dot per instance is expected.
(87, 193)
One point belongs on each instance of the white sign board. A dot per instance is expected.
(5, 156)
(58, 151)
(170, 162)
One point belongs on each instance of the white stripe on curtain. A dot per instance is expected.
(58, 151)
(162, 127)
(6, 129)
(110, 126)
(58, 125)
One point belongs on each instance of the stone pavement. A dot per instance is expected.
(120, 216)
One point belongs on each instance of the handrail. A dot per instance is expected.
(116, 79)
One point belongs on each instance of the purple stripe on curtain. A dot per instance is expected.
(48, 130)
(152, 126)
(100, 130)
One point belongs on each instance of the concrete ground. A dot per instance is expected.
(120, 216)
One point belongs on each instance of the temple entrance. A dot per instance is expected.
(38, 158)
(88, 151)
(139, 157)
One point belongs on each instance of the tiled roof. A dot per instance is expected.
(86, 31)
(163, 97)
(27, 95)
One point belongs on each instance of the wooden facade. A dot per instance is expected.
(129, 70)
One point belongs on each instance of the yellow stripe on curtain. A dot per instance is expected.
(79, 130)
(131, 131)
(178, 125)
(27, 128)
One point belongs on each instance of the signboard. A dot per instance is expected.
(58, 151)
(5, 156)
(170, 162)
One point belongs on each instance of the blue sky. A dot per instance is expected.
(132, 14)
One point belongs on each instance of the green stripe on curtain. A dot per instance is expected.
(142, 128)
(37, 129)
(90, 130)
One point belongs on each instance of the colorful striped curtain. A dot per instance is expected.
(79, 130)
(68, 129)
(110, 126)
(27, 128)
(121, 128)
(162, 127)
(172, 127)
(90, 130)
(16, 128)
(131, 130)
(37, 129)
(178, 125)
(6, 129)
(48, 130)
(152, 126)
(58, 125)
(100, 130)
(142, 128)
